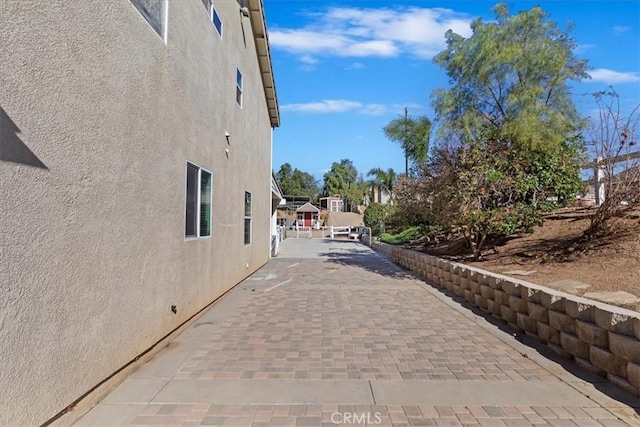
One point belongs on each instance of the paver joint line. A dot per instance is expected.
(371, 338)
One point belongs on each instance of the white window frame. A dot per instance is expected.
(198, 202)
(248, 217)
(214, 14)
(239, 87)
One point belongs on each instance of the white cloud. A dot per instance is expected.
(581, 48)
(374, 109)
(619, 30)
(356, 66)
(327, 106)
(362, 32)
(336, 106)
(308, 59)
(613, 77)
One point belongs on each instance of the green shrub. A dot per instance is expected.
(372, 217)
(406, 236)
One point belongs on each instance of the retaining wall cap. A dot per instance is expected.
(533, 286)
(580, 310)
(615, 322)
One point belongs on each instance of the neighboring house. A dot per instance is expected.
(332, 203)
(293, 202)
(135, 183)
(378, 195)
(308, 215)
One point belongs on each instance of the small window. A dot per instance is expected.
(239, 87)
(247, 218)
(198, 202)
(217, 22)
(154, 11)
(213, 15)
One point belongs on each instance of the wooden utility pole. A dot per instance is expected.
(406, 147)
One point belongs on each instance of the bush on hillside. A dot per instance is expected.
(402, 238)
(372, 217)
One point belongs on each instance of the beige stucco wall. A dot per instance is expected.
(92, 246)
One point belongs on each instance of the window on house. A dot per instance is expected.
(247, 217)
(213, 15)
(217, 22)
(239, 87)
(154, 12)
(198, 202)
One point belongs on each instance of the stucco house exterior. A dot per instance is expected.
(135, 184)
(379, 195)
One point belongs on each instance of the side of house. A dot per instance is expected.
(135, 182)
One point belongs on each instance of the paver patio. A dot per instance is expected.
(331, 333)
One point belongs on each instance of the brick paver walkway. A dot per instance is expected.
(330, 333)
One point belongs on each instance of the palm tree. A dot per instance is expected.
(386, 181)
(413, 136)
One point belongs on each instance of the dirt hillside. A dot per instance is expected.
(557, 251)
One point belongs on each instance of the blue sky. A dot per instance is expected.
(344, 69)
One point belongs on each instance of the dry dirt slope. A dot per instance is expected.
(556, 252)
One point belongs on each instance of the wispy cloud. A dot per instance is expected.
(582, 48)
(613, 77)
(374, 109)
(619, 30)
(308, 59)
(370, 32)
(356, 66)
(336, 106)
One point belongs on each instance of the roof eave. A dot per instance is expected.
(261, 38)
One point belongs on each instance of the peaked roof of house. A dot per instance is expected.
(307, 207)
(261, 38)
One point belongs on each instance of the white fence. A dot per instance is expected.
(598, 166)
(359, 232)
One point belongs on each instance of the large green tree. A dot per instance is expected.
(294, 182)
(342, 179)
(412, 133)
(509, 133)
(510, 81)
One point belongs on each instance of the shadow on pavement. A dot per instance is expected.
(599, 383)
(368, 261)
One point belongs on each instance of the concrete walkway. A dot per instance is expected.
(330, 333)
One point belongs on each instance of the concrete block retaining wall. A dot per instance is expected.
(600, 337)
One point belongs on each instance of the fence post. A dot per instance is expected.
(598, 178)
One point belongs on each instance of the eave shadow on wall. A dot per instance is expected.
(12, 149)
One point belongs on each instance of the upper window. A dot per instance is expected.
(239, 87)
(213, 15)
(198, 202)
(154, 12)
(247, 217)
(217, 22)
